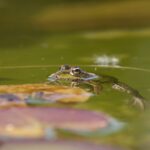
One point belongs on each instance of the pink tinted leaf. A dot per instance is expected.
(55, 145)
(32, 122)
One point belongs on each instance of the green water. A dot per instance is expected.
(29, 53)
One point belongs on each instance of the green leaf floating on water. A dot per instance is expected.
(40, 122)
(21, 95)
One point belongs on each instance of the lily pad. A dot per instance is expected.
(55, 145)
(20, 95)
(42, 122)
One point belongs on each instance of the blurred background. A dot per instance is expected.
(58, 30)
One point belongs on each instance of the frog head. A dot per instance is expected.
(71, 73)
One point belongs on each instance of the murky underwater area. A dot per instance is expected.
(35, 47)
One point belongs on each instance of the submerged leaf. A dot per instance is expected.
(40, 94)
(35, 122)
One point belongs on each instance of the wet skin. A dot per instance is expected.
(76, 76)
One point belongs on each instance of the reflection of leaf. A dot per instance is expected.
(40, 94)
(33, 122)
(55, 145)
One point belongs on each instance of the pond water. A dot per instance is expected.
(29, 54)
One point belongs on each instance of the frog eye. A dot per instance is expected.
(76, 71)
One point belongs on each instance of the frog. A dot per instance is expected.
(77, 76)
